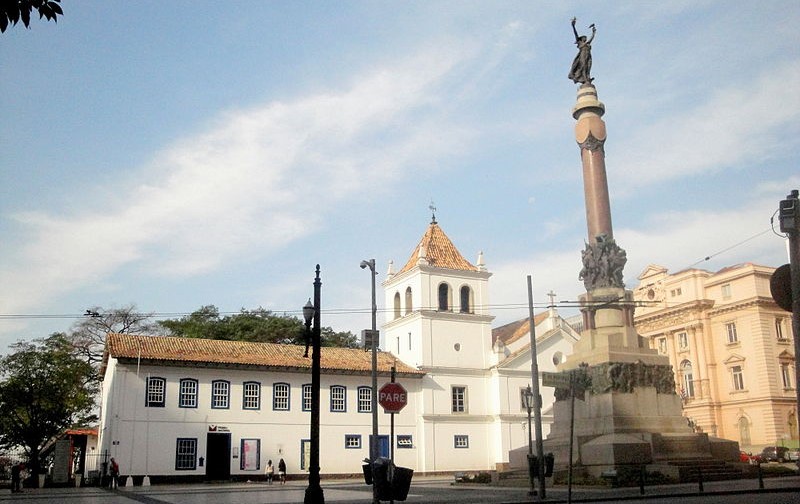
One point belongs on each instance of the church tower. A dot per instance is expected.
(438, 321)
(437, 307)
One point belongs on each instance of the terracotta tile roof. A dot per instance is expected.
(90, 431)
(174, 351)
(515, 330)
(439, 251)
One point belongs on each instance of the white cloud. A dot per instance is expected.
(675, 240)
(733, 127)
(255, 180)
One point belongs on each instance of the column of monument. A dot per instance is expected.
(631, 412)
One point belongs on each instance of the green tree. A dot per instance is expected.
(88, 335)
(257, 325)
(14, 11)
(46, 388)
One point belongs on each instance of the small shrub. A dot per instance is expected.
(481, 477)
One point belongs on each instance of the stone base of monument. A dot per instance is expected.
(629, 414)
(620, 428)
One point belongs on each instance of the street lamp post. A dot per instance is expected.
(314, 493)
(527, 399)
(373, 445)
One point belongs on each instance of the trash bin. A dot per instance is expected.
(383, 484)
(367, 473)
(401, 482)
(533, 467)
(549, 462)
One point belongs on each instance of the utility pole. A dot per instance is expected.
(537, 396)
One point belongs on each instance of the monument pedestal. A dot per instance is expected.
(630, 413)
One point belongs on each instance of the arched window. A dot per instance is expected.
(744, 431)
(156, 392)
(465, 299)
(397, 305)
(687, 382)
(409, 304)
(444, 297)
(280, 396)
(187, 397)
(220, 394)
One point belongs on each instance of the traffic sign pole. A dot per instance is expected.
(391, 427)
(789, 219)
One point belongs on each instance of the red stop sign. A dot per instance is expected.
(393, 397)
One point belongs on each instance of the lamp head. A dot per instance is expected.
(308, 311)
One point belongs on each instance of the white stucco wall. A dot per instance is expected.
(143, 439)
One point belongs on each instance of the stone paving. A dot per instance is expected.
(424, 490)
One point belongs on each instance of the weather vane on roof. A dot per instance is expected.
(432, 208)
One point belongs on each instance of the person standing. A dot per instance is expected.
(269, 472)
(282, 471)
(16, 469)
(114, 483)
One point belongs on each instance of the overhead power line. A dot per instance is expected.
(708, 257)
(330, 311)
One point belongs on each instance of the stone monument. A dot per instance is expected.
(630, 412)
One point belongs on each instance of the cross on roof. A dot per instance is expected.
(432, 208)
(552, 296)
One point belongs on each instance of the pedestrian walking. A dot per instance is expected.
(282, 471)
(114, 482)
(270, 471)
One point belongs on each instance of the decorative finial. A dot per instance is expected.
(432, 208)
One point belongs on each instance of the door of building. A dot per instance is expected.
(305, 454)
(218, 456)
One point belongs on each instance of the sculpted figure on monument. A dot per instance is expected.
(582, 64)
(603, 262)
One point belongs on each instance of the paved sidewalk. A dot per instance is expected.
(423, 490)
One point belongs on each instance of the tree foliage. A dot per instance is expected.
(46, 388)
(14, 11)
(88, 335)
(257, 325)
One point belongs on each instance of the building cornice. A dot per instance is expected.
(761, 301)
(682, 315)
(255, 367)
(457, 418)
(455, 371)
(434, 270)
(439, 315)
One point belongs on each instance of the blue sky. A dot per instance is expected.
(184, 153)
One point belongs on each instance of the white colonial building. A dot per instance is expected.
(209, 409)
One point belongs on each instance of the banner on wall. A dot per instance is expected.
(251, 454)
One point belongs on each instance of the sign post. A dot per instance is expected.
(393, 397)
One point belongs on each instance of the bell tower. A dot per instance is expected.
(437, 307)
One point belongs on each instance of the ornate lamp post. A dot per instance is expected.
(528, 401)
(373, 445)
(312, 311)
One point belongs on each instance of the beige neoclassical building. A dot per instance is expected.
(731, 349)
